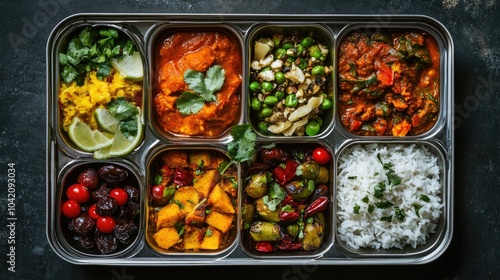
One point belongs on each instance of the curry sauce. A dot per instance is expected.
(388, 83)
(198, 51)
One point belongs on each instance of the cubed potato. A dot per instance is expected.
(219, 221)
(193, 237)
(197, 216)
(168, 216)
(212, 239)
(166, 237)
(230, 186)
(175, 159)
(220, 201)
(206, 181)
(200, 159)
(187, 198)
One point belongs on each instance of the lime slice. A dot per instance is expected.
(105, 120)
(87, 139)
(122, 145)
(130, 66)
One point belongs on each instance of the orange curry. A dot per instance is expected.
(388, 83)
(197, 51)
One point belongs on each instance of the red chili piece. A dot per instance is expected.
(264, 246)
(183, 177)
(284, 175)
(316, 206)
(288, 200)
(288, 244)
(288, 216)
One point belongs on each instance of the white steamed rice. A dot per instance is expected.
(360, 171)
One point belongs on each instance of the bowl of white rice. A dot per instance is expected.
(389, 198)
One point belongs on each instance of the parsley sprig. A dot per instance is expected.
(203, 89)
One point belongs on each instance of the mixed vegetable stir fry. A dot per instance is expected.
(288, 80)
(286, 196)
(389, 83)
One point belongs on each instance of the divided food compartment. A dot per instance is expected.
(64, 160)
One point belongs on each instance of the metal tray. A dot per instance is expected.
(141, 27)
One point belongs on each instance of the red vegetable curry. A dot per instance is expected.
(388, 83)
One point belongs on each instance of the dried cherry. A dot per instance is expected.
(112, 173)
(83, 224)
(106, 206)
(89, 178)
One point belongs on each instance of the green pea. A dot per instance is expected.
(265, 68)
(326, 104)
(271, 100)
(266, 112)
(315, 52)
(254, 86)
(279, 95)
(263, 126)
(260, 116)
(291, 101)
(287, 46)
(256, 104)
(318, 71)
(312, 128)
(307, 42)
(279, 77)
(302, 64)
(300, 49)
(266, 87)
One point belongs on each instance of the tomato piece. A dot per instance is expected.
(92, 213)
(385, 75)
(106, 224)
(78, 193)
(321, 155)
(120, 195)
(71, 209)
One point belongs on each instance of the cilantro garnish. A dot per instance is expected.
(127, 113)
(393, 178)
(417, 209)
(203, 89)
(242, 146)
(91, 50)
(356, 208)
(400, 213)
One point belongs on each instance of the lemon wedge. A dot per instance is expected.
(105, 120)
(86, 138)
(130, 66)
(122, 145)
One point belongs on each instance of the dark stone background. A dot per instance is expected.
(473, 253)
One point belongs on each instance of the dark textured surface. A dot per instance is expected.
(474, 251)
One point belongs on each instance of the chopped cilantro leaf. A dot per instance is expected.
(189, 103)
(383, 205)
(417, 209)
(356, 208)
(386, 218)
(425, 198)
(400, 213)
(371, 207)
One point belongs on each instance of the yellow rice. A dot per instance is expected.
(81, 101)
